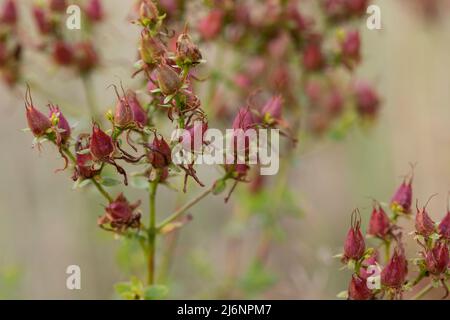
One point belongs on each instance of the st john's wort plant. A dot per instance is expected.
(396, 275)
(135, 138)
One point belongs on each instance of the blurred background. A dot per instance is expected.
(46, 226)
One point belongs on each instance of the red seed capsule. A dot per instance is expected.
(57, 5)
(424, 225)
(402, 199)
(379, 222)
(64, 129)
(94, 10)
(186, 50)
(120, 214)
(437, 259)
(139, 114)
(209, 27)
(354, 245)
(86, 56)
(394, 274)
(444, 226)
(358, 290)
(160, 154)
(101, 144)
(123, 115)
(42, 20)
(62, 53)
(38, 122)
(367, 100)
(272, 110)
(312, 57)
(168, 80)
(8, 13)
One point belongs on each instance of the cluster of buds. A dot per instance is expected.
(10, 44)
(432, 263)
(50, 19)
(288, 37)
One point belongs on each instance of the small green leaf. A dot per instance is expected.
(139, 182)
(109, 182)
(81, 183)
(342, 295)
(155, 292)
(219, 187)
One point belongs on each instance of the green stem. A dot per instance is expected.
(153, 186)
(103, 192)
(90, 96)
(99, 187)
(423, 292)
(387, 244)
(184, 208)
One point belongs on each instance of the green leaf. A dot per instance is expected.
(139, 182)
(81, 183)
(109, 182)
(219, 187)
(342, 295)
(155, 292)
(257, 279)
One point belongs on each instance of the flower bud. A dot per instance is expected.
(160, 154)
(168, 80)
(139, 115)
(354, 245)
(312, 57)
(148, 11)
(437, 259)
(356, 7)
(394, 274)
(367, 101)
(43, 22)
(401, 201)
(151, 49)
(244, 119)
(209, 27)
(350, 48)
(187, 52)
(64, 129)
(57, 5)
(379, 222)
(101, 144)
(37, 121)
(358, 290)
(8, 13)
(123, 115)
(444, 227)
(192, 137)
(272, 110)
(85, 56)
(120, 214)
(424, 224)
(94, 10)
(62, 53)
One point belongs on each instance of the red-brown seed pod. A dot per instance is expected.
(101, 144)
(394, 274)
(354, 245)
(168, 80)
(94, 10)
(444, 226)
(358, 290)
(160, 154)
(62, 53)
(379, 223)
(86, 57)
(123, 115)
(186, 50)
(8, 14)
(64, 129)
(38, 122)
(140, 116)
(425, 226)
(437, 258)
(57, 5)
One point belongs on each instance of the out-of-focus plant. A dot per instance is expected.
(136, 139)
(295, 60)
(10, 43)
(377, 278)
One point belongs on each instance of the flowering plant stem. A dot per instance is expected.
(90, 97)
(153, 186)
